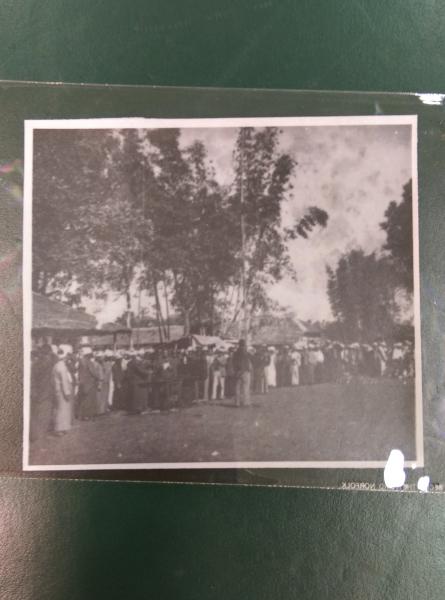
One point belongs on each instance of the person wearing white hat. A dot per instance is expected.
(63, 394)
(67, 348)
(85, 351)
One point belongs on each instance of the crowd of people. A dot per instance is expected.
(84, 384)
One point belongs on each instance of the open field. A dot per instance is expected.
(362, 420)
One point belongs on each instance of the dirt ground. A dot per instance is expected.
(362, 420)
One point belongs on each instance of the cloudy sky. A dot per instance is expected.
(353, 172)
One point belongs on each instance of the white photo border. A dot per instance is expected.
(148, 123)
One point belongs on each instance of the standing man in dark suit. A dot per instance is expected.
(89, 385)
(243, 372)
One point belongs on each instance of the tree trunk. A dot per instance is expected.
(128, 315)
(167, 310)
(236, 313)
(158, 313)
(186, 315)
(128, 303)
(246, 316)
(212, 311)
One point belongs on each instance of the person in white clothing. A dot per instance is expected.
(63, 394)
(218, 372)
(296, 361)
(381, 357)
(397, 359)
(271, 369)
(108, 374)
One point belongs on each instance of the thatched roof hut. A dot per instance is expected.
(50, 316)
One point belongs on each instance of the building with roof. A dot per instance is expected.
(56, 322)
(137, 337)
(278, 330)
(49, 316)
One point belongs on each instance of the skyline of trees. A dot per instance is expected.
(119, 211)
(363, 288)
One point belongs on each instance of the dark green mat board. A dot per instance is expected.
(65, 539)
(360, 45)
(84, 540)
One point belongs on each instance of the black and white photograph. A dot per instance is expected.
(221, 293)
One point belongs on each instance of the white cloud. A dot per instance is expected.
(352, 172)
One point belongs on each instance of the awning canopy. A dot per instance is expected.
(140, 337)
(207, 340)
(198, 341)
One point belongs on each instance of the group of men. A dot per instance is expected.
(336, 362)
(68, 385)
